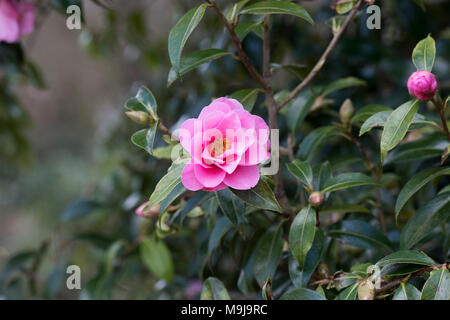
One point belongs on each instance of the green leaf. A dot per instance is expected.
(150, 137)
(260, 196)
(247, 97)
(181, 32)
(424, 54)
(157, 258)
(301, 234)
(133, 104)
(397, 125)
(146, 98)
(267, 254)
(79, 209)
(139, 139)
(245, 27)
(314, 139)
(325, 174)
(232, 207)
(367, 111)
(406, 257)
(302, 294)
(346, 180)
(376, 120)
(168, 182)
(344, 208)
(233, 12)
(298, 70)
(342, 84)
(193, 60)
(416, 183)
(437, 286)
(299, 109)
(222, 226)
(406, 291)
(360, 234)
(342, 7)
(278, 7)
(427, 218)
(351, 293)
(213, 289)
(303, 171)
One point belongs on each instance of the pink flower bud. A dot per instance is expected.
(145, 211)
(422, 85)
(316, 199)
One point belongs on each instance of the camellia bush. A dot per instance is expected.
(274, 178)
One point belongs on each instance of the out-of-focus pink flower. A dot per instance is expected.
(226, 144)
(193, 289)
(422, 85)
(140, 211)
(16, 19)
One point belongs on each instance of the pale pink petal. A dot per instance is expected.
(9, 24)
(187, 132)
(188, 178)
(231, 123)
(209, 177)
(233, 103)
(214, 106)
(26, 17)
(243, 178)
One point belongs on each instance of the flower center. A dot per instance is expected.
(218, 147)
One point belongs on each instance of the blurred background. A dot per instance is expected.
(70, 179)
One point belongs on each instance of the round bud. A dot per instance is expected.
(346, 111)
(422, 85)
(316, 199)
(140, 117)
(366, 290)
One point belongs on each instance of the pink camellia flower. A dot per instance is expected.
(422, 85)
(226, 144)
(16, 19)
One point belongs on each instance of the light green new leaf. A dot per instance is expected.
(406, 291)
(157, 258)
(406, 257)
(247, 97)
(437, 286)
(351, 293)
(260, 196)
(168, 182)
(342, 7)
(424, 54)
(193, 60)
(301, 234)
(302, 294)
(397, 125)
(234, 10)
(213, 289)
(430, 216)
(303, 171)
(268, 254)
(346, 180)
(278, 7)
(181, 32)
(416, 183)
(232, 207)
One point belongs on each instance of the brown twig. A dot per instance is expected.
(322, 59)
(440, 110)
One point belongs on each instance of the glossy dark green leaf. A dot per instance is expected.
(366, 112)
(267, 254)
(299, 109)
(344, 208)
(146, 98)
(302, 294)
(427, 218)
(181, 32)
(424, 54)
(167, 183)
(416, 183)
(314, 139)
(260, 196)
(232, 207)
(278, 7)
(133, 104)
(213, 289)
(193, 60)
(360, 234)
(406, 291)
(79, 209)
(351, 293)
(173, 195)
(376, 120)
(437, 286)
(406, 257)
(247, 97)
(301, 234)
(245, 27)
(303, 171)
(397, 125)
(157, 258)
(222, 226)
(346, 180)
(234, 11)
(342, 84)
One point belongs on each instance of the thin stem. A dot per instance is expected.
(322, 59)
(440, 110)
(375, 176)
